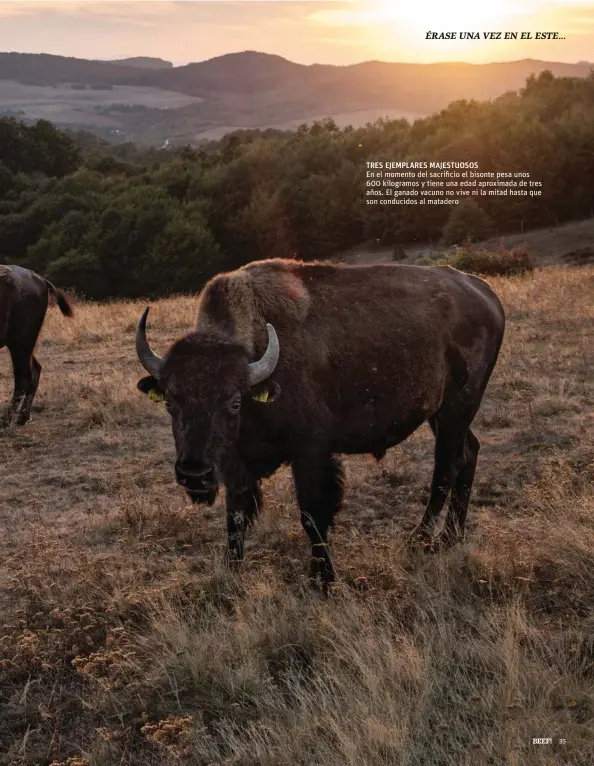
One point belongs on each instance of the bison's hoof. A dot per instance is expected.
(420, 539)
(447, 539)
(322, 584)
(321, 574)
(233, 559)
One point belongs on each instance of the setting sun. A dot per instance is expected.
(457, 15)
(390, 30)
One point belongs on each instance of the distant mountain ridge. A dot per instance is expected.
(252, 89)
(232, 71)
(143, 62)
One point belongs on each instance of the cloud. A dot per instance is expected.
(588, 20)
(123, 9)
(342, 41)
(375, 12)
(143, 11)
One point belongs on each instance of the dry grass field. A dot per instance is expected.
(125, 641)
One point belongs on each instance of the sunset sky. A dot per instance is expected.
(307, 32)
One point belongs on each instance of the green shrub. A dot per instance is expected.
(502, 261)
(425, 260)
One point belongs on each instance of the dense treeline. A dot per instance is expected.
(123, 222)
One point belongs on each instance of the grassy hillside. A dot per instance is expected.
(571, 243)
(125, 640)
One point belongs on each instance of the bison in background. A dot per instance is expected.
(24, 298)
(298, 363)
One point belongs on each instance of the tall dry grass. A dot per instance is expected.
(125, 641)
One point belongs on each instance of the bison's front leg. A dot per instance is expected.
(242, 508)
(319, 486)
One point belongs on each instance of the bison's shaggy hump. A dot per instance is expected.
(235, 301)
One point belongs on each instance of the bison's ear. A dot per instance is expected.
(266, 392)
(150, 386)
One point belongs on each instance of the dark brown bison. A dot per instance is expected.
(24, 298)
(297, 363)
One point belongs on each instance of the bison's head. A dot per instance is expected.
(204, 380)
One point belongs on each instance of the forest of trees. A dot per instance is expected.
(117, 221)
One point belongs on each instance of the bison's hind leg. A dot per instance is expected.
(23, 381)
(456, 452)
(319, 484)
(453, 529)
(35, 374)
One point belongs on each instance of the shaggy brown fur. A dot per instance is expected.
(23, 303)
(367, 354)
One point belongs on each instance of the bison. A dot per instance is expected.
(297, 363)
(24, 298)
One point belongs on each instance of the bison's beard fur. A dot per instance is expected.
(205, 496)
(203, 491)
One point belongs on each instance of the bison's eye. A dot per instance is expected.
(234, 406)
(168, 405)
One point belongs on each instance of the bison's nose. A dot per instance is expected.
(191, 469)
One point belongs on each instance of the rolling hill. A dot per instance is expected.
(143, 62)
(248, 89)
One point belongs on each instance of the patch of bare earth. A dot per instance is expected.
(125, 641)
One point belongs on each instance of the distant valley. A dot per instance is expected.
(150, 102)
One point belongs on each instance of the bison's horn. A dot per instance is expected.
(264, 367)
(152, 363)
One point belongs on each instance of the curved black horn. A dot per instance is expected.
(264, 367)
(152, 363)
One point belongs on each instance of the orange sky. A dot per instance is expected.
(308, 31)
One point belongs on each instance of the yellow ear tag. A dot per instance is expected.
(263, 397)
(155, 396)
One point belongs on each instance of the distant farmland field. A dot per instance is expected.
(67, 105)
(70, 106)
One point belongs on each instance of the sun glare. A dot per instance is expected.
(390, 27)
(439, 16)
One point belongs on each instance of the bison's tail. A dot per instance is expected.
(63, 303)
